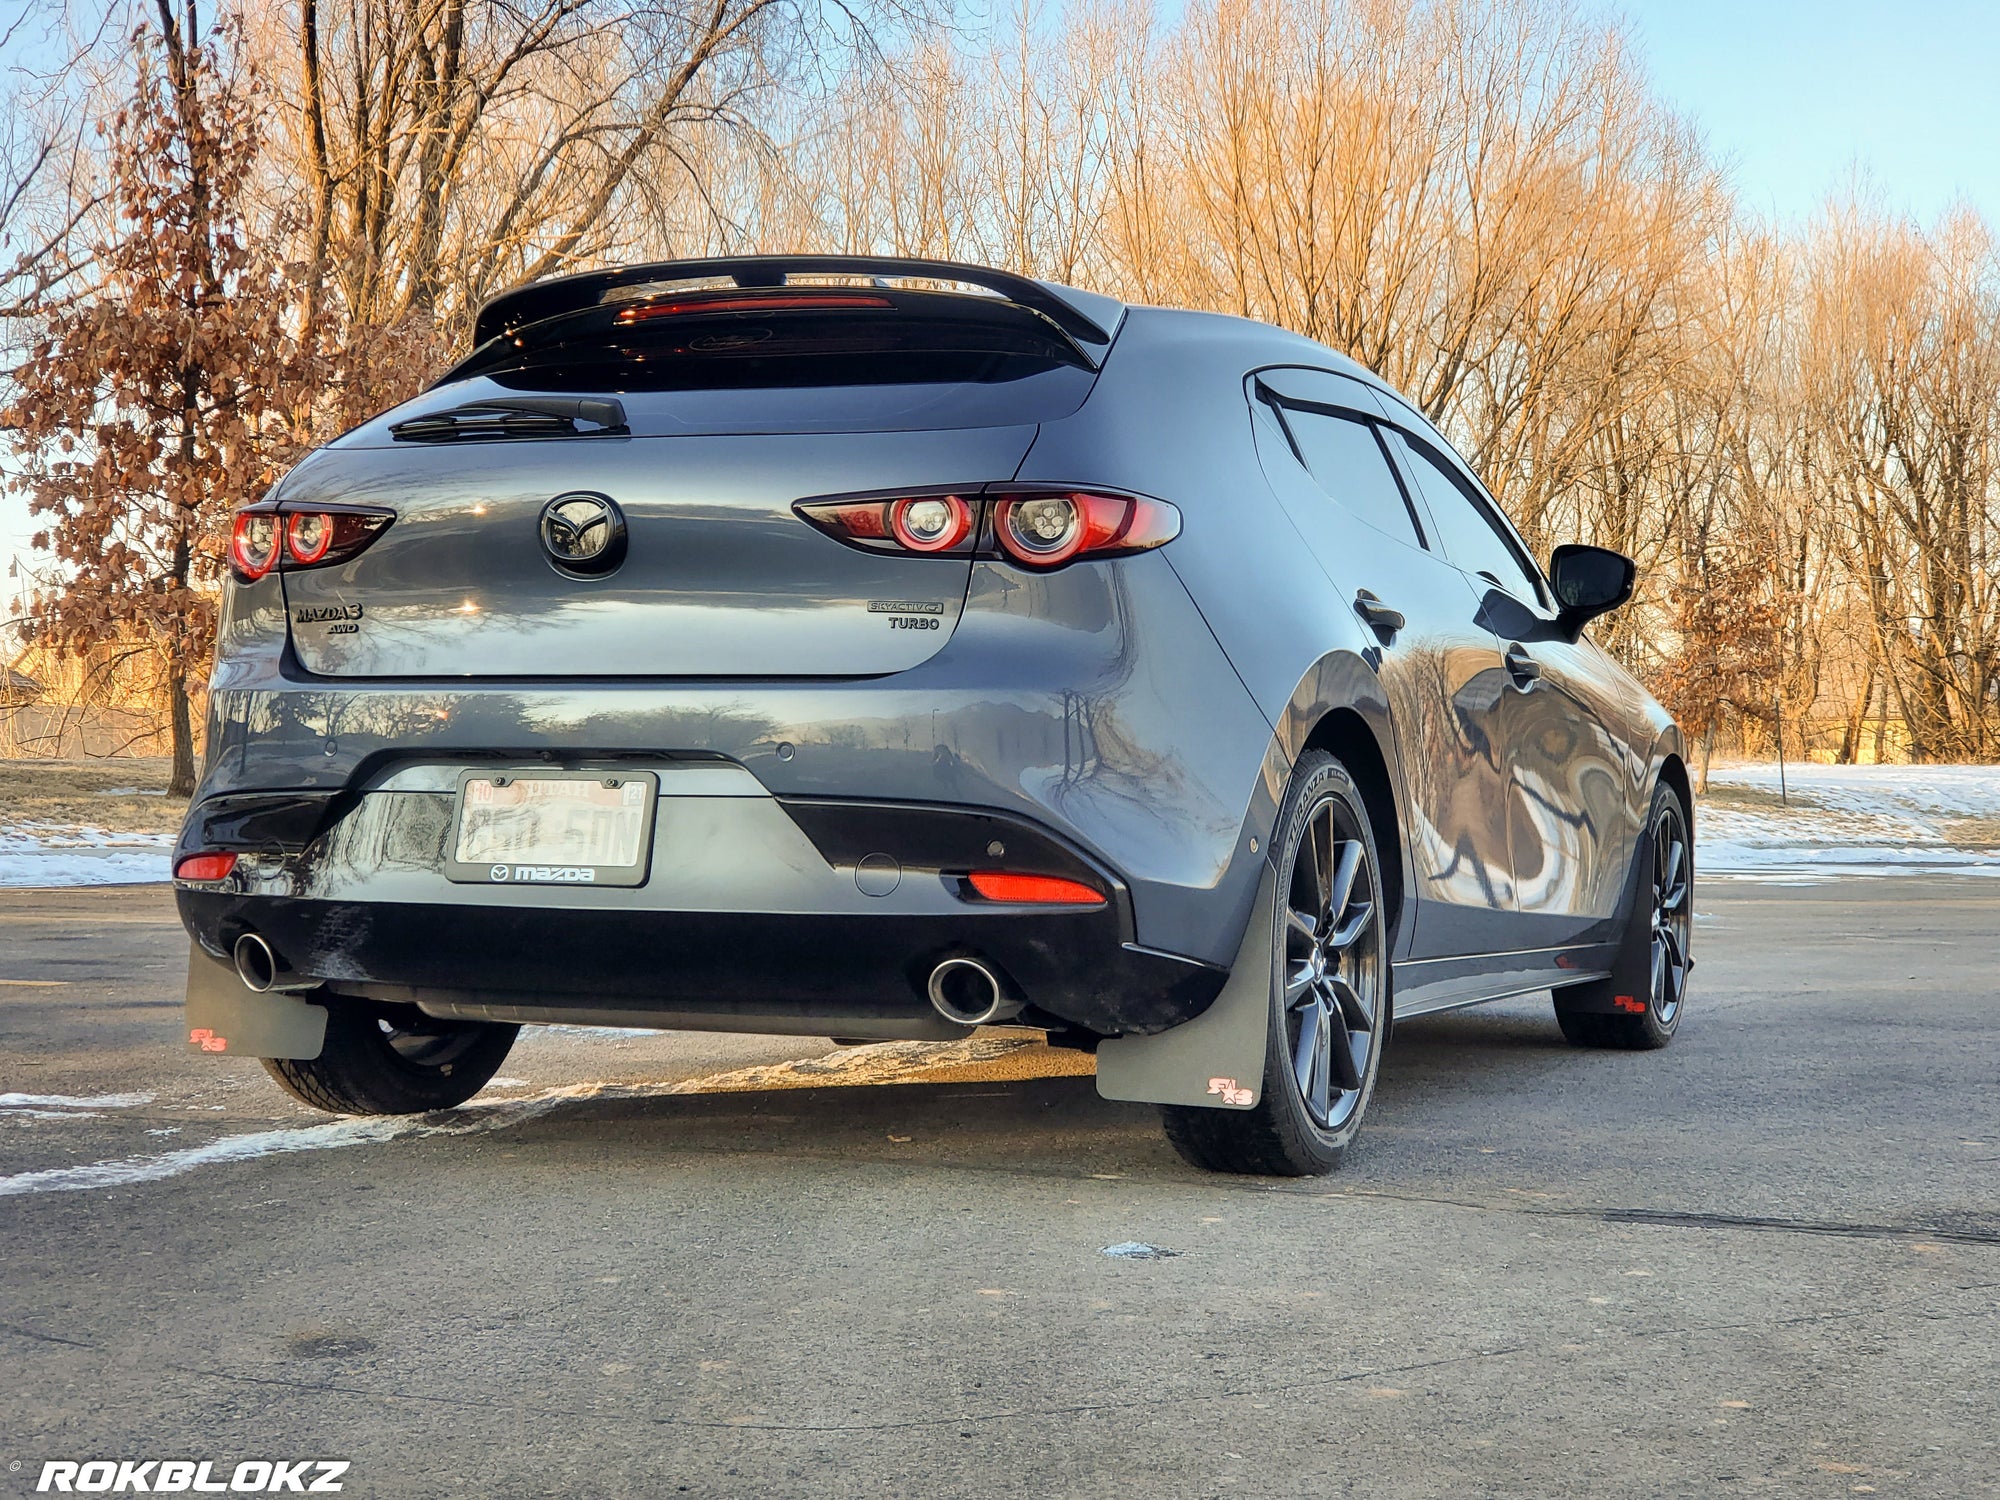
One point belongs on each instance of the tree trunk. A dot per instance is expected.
(1850, 734)
(181, 782)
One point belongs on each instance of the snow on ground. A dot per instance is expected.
(1849, 820)
(48, 854)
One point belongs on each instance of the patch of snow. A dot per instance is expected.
(1135, 1250)
(54, 854)
(70, 1101)
(51, 1114)
(1849, 821)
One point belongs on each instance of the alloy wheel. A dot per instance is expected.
(1672, 917)
(1332, 973)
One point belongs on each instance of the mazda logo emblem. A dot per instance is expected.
(583, 534)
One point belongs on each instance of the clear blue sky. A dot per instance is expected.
(1796, 92)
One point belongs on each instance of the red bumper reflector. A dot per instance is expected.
(1036, 890)
(205, 866)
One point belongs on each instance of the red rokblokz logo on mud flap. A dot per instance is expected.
(179, 1476)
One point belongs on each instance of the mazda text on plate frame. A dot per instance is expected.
(885, 649)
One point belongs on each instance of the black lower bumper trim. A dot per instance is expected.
(735, 968)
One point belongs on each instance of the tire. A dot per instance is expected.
(1656, 955)
(394, 1060)
(1330, 1003)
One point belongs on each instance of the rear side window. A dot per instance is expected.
(1347, 460)
(1472, 537)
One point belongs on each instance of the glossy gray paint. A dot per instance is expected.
(1145, 710)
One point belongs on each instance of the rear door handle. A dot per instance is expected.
(1522, 667)
(1376, 613)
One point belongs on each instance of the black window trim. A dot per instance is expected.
(1488, 510)
(1280, 404)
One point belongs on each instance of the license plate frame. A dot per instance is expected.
(495, 864)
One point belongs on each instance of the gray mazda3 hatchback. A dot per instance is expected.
(885, 649)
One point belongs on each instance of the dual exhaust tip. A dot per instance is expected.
(968, 993)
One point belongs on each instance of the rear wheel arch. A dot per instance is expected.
(1345, 735)
(1674, 772)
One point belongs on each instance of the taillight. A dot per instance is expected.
(205, 867)
(933, 523)
(308, 537)
(253, 544)
(1032, 890)
(922, 523)
(1035, 528)
(262, 538)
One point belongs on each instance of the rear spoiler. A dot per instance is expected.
(1088, 318)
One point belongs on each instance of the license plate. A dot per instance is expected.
(537, 828)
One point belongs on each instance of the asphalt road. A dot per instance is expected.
(1765, 1261)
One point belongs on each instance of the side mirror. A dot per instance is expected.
(1589, 581)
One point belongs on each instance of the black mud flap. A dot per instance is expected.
(1217, 1059)
(1628, 990)
(226, 1015)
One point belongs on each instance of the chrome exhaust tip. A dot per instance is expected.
(967, 993)
(261, 970)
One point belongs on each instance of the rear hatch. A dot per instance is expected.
(702, 417)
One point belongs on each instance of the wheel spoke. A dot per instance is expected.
(1673, 887)
(1305, 1055)
(1355, 1012)
(1298, 924)
(1323, 1056)
(1347, 865)
(1341, 1050)
(1299, 986)
(1359, 915)
(1321, 836)
(1659, 968)
(1672, 939)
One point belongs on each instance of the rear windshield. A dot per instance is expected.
(804, 372)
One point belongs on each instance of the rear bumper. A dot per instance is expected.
(816, 916)
(842, 975)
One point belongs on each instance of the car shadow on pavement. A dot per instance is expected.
(1451, 1065)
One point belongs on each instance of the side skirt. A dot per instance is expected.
(1424, 986)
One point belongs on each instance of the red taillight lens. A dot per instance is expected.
(263, 539)
(308, 537)
(933, 523)
(253, 544)
(903, 523)
(1032, 890)
(1039, 528)
(205, 867)
(1046, 530)
(754, 302)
